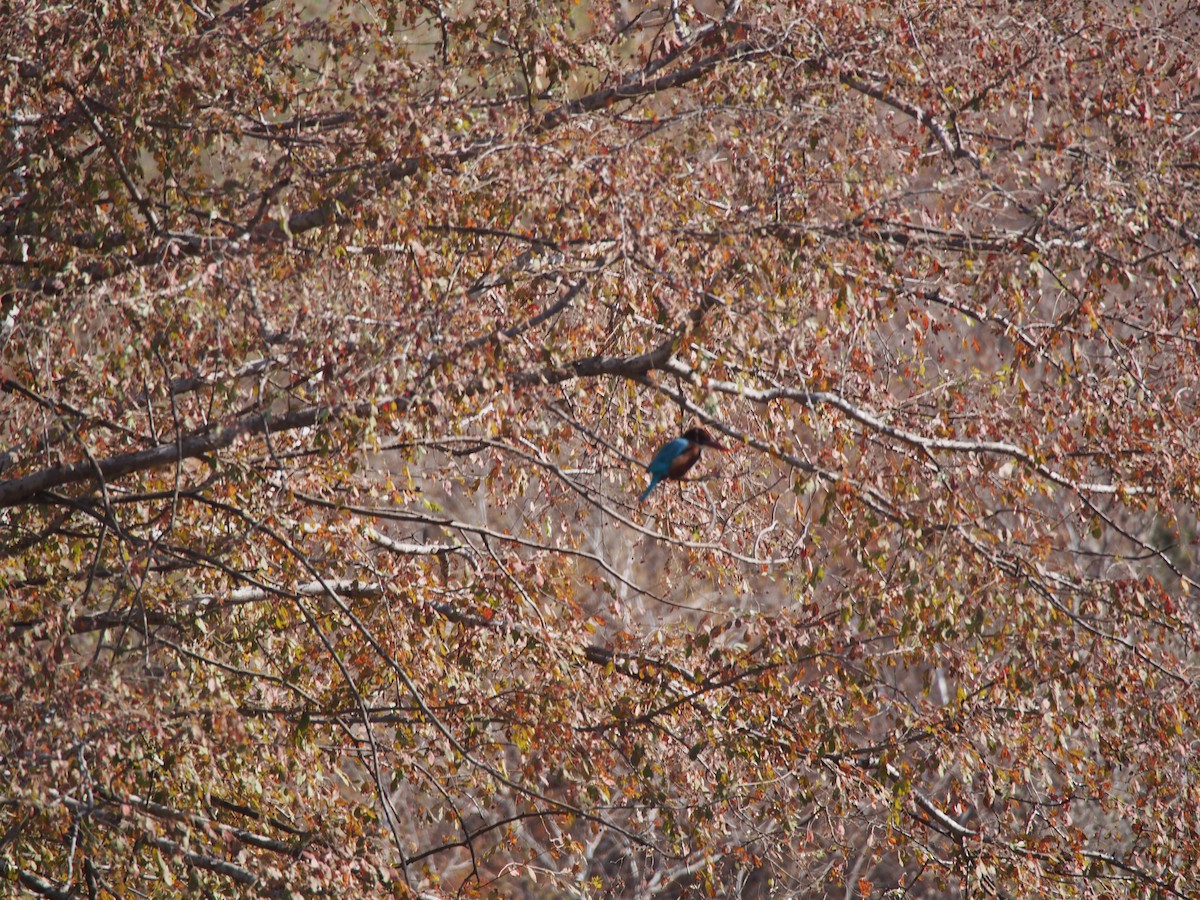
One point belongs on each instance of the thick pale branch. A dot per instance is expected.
(872, 497)
(877, 424)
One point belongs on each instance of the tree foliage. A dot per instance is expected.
(334, 337)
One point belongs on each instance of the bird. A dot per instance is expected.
(674, 458)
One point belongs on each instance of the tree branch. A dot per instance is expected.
(875, 423)
(35, 883)
(22, 489)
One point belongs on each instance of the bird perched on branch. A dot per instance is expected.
(673, 459)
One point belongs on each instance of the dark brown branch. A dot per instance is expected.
(35, 883)
(337, 208)
(631, 87)
(234, 14)
(204, 861)
(636, 85)
(25, 488)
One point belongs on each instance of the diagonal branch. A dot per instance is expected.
(876, 423)
(953, 149)
(35, 883)
(636, 85)
(14, 491)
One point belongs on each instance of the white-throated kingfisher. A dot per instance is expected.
(674, 458)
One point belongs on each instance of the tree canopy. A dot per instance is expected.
(334, 338)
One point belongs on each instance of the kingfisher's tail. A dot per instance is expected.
(653, 483)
